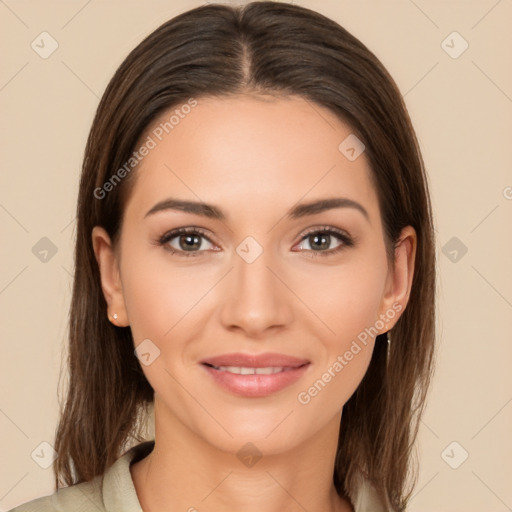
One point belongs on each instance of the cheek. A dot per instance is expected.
(162, 304)
(347, 299)
(350, 310)
(159, 298)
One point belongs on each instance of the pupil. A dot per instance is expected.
(191, 241)
(323, 237)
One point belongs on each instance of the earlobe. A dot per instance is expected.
(110, 277)
(401, 277)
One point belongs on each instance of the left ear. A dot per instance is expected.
(399, 280)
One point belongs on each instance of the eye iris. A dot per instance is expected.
(191, 242)
(322, 239)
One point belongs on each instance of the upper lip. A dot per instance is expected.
(265, 360)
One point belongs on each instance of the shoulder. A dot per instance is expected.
(82, 497)
(111, 492)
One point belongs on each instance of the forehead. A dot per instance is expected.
(245, 151)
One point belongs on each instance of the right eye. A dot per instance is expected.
(188, 241)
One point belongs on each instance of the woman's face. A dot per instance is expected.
(257, 273)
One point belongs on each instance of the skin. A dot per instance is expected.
(254, 157)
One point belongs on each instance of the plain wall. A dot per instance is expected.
(462, 111)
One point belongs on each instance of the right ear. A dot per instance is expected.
(110, 277)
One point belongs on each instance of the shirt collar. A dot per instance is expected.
(118, 489)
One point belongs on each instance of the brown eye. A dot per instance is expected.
(191, 242)
(185, 241)
(320, 242)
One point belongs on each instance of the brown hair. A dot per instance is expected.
(267, 48)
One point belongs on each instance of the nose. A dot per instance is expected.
(256, 298)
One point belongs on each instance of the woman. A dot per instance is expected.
(255, 259)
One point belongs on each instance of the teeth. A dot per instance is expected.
(243, 370)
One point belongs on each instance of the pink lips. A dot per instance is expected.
(255, 385)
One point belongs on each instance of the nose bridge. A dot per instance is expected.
(255, 299)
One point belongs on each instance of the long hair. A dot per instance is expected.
(270, 48)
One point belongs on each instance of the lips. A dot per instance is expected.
(255, 375)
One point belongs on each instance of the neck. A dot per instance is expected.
(184, 472)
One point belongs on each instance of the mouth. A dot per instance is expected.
(255, 375)
(246, 370)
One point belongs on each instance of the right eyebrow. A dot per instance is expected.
(197, 208)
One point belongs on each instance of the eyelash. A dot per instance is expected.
(327, 230)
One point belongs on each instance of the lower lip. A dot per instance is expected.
(256, 385)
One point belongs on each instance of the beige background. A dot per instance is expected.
(461, 108)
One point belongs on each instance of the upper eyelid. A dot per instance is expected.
(323, 229)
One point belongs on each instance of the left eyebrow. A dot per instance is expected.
(314, 207)
(298, 211)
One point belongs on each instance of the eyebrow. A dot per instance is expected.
(298, 211)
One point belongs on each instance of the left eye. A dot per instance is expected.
(320, 241)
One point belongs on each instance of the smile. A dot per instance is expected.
(244, 370)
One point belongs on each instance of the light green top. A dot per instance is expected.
(114, 491)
